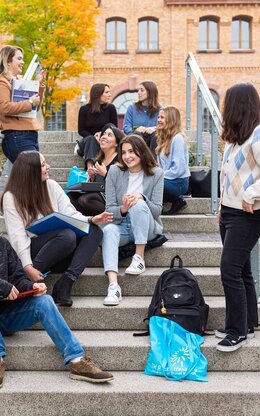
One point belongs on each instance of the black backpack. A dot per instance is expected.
(177, 296)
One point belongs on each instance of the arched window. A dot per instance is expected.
(208, 33)
(122, 102)
(116, 34)
(208, 124)
(241, 33)
(148, 34)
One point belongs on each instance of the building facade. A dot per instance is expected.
(151, 39)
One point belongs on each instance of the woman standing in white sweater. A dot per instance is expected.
(30, 194)
(239, 213)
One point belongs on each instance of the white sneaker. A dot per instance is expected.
(137, 266)
(114, 295)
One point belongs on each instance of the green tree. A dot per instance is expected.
(60, 32)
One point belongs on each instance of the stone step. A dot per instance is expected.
(94, 283)
(131, 393)
(190, 223)
(58, 136)
(64, 161)
(193, 254)
(89, 313)
(117, 351)
(60, 148)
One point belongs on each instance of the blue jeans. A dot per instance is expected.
(24, 313)
(16, 141)
(138, 227)
(174, 188)
(239, 232)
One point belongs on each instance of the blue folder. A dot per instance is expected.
(55, 221)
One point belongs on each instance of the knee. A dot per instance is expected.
(44, 303)
(68, 238)
(96, 233)
(140, 206)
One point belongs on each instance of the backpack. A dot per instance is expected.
(177, 297)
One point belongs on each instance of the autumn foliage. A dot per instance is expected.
(60, 32)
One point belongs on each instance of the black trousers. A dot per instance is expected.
(61, 251)
(239, 232)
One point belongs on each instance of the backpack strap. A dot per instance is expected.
(175, 258)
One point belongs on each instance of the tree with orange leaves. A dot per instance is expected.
(60, 32)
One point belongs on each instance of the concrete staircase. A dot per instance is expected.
(36, 382)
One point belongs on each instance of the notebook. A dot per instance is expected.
(23, 89)
(55, 221)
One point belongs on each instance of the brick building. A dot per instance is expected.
(151, 41)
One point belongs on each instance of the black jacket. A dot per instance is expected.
(11, 270)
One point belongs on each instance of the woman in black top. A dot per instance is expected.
(92, 203)
(92, 118)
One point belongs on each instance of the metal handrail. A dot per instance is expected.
(206, 94)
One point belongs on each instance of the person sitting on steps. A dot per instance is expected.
(93, 203)
(28, 195)
(173, 158)
(134, 191)
(18, 314)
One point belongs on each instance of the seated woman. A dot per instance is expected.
(93, 203)
(30, 194)
(92, 118)
(173, 158)
(24, 313)
(141, 117)
(134, 192)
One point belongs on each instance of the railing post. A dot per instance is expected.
(199, 128)
(214, 171)
(255, 266)
(188, 96)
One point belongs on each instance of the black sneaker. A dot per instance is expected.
(222, 333)
(178, 205)
(231, 343)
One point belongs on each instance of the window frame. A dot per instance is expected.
(208, 20)
(115, 20)
(240, 19)
(148, 19)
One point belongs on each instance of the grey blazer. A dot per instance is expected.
(116, 187)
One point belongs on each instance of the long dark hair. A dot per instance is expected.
(118, 136)
(152, 98)
(241, 113)
(30, 193)
(94, 96)
(141, 149)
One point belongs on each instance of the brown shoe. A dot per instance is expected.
(87, 370)
(2, 372)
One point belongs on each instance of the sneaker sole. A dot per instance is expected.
(222, 335)
(231, 348)
(92, 380)
(135, 273)
(112, 303)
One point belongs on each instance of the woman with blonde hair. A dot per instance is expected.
(172, 156)
(20, 133)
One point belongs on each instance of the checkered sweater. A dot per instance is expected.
(240, 173)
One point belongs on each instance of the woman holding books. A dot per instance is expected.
(29, 195)
(92, 203)
(20, 133)
(134, 193)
